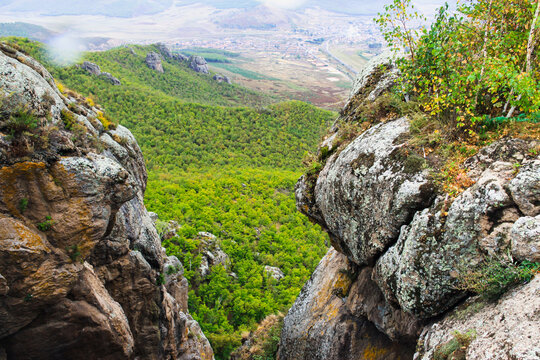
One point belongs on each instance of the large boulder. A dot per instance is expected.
(164, 50)
(91, 68)
(153, 61)
(222, 78)
(95, 70)
(368, 191)
(506, 329)
(212, 254)
(107, 76)
(199, 64)
(420, 271)
(82, 270)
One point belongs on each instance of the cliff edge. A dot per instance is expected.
(82, 271)
(391, 286)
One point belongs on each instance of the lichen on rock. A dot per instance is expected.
(80, 258)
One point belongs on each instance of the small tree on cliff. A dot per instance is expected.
(475, 64)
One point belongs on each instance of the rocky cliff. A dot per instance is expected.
(82, 271)
(390, 288)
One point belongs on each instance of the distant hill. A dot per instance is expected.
(22, 29)
(258, 18)
(118, 8)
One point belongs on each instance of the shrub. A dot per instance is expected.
(74, 252)
(160, 280)
(106, 121)
(20, 122)
(23, 205)
(455, 349)
(494, 277)
(46, 225)
(172, 270)
(68, 118)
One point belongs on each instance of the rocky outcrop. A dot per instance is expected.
(153, 61)
(507, 329)
(222, 78)
(164, 50)
(211, 252)
(198, 64)
(83, 273)
(95, 70)
(274, 272)
(107, 76)
(91, 68)
(324, 322)
(180, 57)
(402, 243)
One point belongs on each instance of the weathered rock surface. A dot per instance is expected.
(82, 271)
(525, 237)
(111, 78)
(371, 170)
(222, 78)
(274, 272)
(324, 324)
(212, 254)
(180, 57)
(153, 61)
(401, 244)
(164, 50)
(92, 68)
(95, 70)
(199, 64)
(507, 329)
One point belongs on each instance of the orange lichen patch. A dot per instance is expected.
(374, 353)
(52, 281)
(16, 238)
(17, 174)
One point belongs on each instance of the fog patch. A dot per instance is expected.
(65, 49)
(284, 4)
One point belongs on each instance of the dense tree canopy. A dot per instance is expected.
(228, 170)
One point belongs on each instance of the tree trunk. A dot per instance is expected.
(530, 50)
(530, 44)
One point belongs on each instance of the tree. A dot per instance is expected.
(399, 24)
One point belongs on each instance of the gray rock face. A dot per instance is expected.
(153, 61)
(222, 78)
(274, 272)
(82, 267)
(111, 78)
(95, 70)
(198, 64)
(419, 271)
(364, 77)
(507, 329)
(91, 68)
(212, 255)
(324, 323)
(164, 50)
(525, 235)
(180, 57)
(368, 191)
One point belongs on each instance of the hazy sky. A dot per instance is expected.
(130, 8)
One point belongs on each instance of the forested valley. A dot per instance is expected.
(221, 159)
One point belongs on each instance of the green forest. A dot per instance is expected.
(221, 159)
